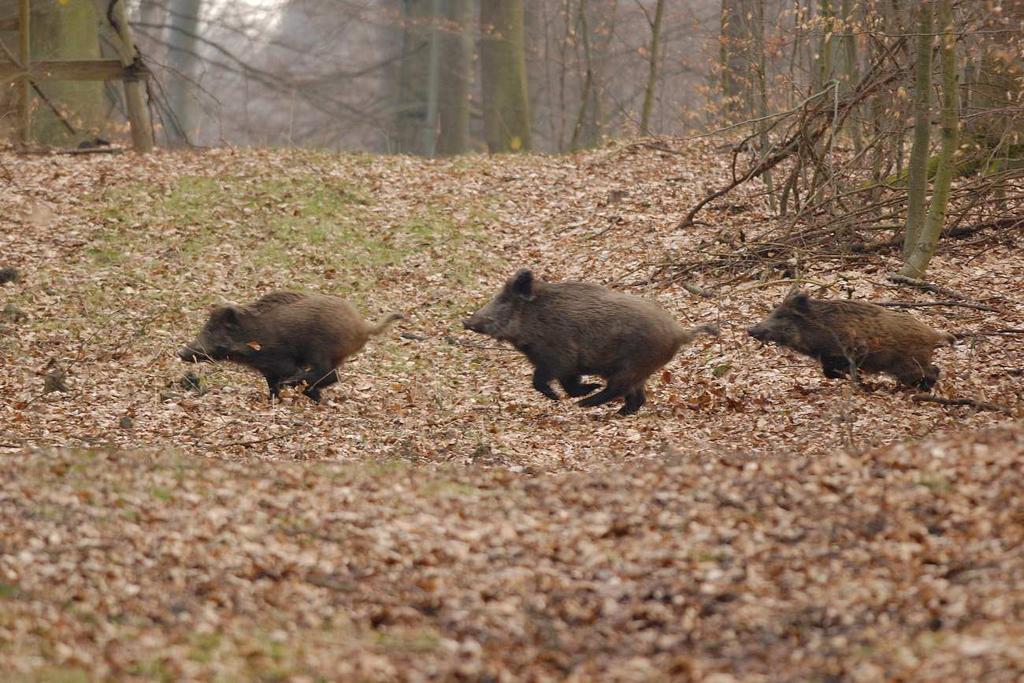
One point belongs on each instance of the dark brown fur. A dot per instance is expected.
(9, 274)
(843, 334)
(291, 338)
(570, 329)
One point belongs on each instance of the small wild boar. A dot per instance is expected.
(841, 334)
(291, 338)
(9, 274)
(570, 329)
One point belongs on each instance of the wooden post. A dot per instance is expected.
(134, 91)
(24, 83)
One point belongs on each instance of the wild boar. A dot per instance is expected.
(571, 329)
(291, 338)
(843, 334)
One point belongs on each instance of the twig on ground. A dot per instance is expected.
(455, 341)
(788, 280)
(926, 286)
(696, 291)
(929, 304)
(1006, 332)
(253, 442)
(980, 405)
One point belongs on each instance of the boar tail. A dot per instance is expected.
(384, 323)
(687, 335)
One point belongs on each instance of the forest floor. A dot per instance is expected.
(437, 518)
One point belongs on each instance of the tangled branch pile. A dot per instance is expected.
(841, 152)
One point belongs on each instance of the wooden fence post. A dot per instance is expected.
(134, 83)
(127, 68)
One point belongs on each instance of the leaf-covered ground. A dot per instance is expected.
(435, 517)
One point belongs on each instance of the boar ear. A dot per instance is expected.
(797, 298)
(521, 284)
(227, 315)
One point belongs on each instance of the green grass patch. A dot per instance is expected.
(202, 647)
(418, 641)
(314, 226)
(54, 674)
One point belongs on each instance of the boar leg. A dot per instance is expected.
(635, 399)
(274, 384)
(609, 393)
(835, 367)
(575, 388)
(912, 374)
(542, 380)
(318, 378)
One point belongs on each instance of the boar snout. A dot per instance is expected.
(475, 324)
(191, 355)
(758, 332)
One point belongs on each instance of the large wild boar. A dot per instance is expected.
(571, 329)
(843, 334)
(291, 338)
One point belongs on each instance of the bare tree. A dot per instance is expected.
(922, 251)
(456, 77)
(653, 55)
(183, 57)
(503, 76)
(917, 185)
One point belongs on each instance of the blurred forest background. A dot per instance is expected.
(889, 116)
(449, 76)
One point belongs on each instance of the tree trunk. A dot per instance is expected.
(183, 57)
(825, 63)
(456, 54)
(652, 69)
(735, 66)
(503, 76)
(917, 184)
(152, 12)
(851, 70)
(757, 31)
(998, 136)
(65, 111)
(924, 249)
(587, 131)
(413, 74)
(429, 132)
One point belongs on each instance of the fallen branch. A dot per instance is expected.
(929, 304)
(455, 341)
(1005, 332)
(926, 286)
(980, 405)
(696, 291)
(253, 442)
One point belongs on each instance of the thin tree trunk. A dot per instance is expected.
(428, 134)
(924, 249)
(582, 134)
(734, 81)
(456, 53)
(183, 57)
(917, 184)
(825, 64)
(757, 30)
(503, 76)
(851, 70)
(413, 77)
(652, 69)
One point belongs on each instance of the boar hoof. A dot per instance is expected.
(575, 389)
